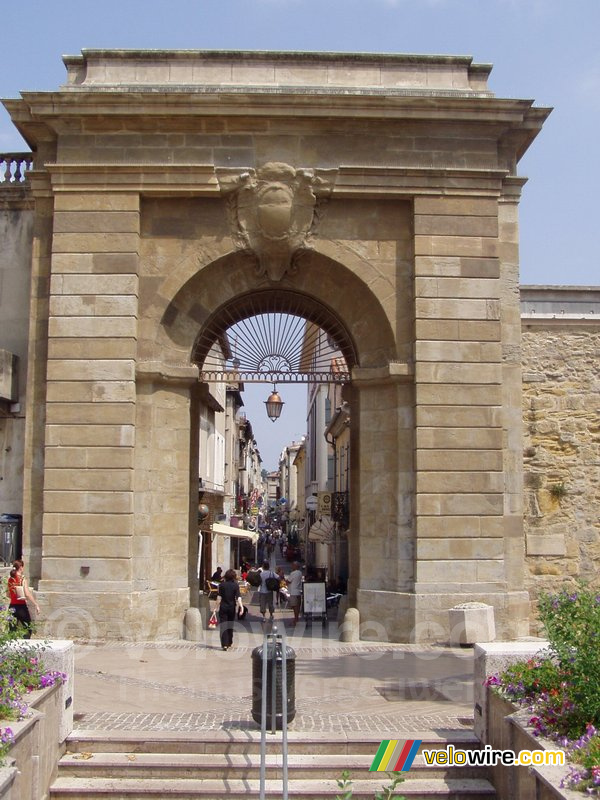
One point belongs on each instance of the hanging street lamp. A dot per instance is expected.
(274, 405)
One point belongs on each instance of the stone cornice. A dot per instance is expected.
(134, 101)
(352, 181)
(581, 321)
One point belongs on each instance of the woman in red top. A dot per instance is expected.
(19, 594)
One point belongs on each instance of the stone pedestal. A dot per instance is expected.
(472, 622)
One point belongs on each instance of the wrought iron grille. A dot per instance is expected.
(282, 339)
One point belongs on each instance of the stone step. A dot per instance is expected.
(248, 742)
(66, 788)
(240, 766)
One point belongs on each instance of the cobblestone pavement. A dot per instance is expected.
(189, 686)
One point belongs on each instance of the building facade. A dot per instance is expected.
(378, 196)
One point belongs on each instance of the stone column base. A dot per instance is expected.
(423, 618)
(128, 616)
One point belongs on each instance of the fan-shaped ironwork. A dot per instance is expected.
(282, 339)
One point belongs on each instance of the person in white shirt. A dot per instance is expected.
(294, 583)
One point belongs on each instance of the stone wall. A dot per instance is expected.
(16, 221)
(561, 415)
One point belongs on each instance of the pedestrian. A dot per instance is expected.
(229, 600)
(294, 583)
(19, 593)
(269, 583)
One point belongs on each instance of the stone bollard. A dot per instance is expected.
(350, 629)
(193, 630)
(472, 622)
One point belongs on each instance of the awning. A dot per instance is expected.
(227, 530)
(322, 530)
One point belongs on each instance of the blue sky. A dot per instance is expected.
(545, 50)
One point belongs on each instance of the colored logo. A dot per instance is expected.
(395, 755)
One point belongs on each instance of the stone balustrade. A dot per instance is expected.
(14, 168)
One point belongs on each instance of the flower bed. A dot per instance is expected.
(558, 689)
(31, 762)
(35, 710)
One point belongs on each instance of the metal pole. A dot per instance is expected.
(284, 714)
(263, 720)
(274, 682)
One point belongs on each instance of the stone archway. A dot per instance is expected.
(381, 187)
(358, 320)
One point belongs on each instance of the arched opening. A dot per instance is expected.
(354, 311)
(282, 336)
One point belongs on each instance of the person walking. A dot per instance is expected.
(294, 583)
(229, 600)
(269, 583)
(19, 593)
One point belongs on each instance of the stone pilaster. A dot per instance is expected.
(460, 427)
(90, 413)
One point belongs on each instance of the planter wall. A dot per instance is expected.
(508, 730)
(37, 749)
(503, 726)
(39, 738)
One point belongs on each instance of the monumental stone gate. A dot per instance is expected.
(378, 194)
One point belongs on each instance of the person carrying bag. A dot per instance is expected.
(269, 583)
(229, 601)
(19, 593)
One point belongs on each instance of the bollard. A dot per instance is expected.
(257, 683)
(350, 629)
(192, 625)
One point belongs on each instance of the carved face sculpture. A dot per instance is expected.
(274, 211)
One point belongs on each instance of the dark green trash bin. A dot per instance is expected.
(10, 537)
(257, 684)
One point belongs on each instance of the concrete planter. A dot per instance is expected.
(509, 731)
(32, 760)
(503, 726)
(39, 738)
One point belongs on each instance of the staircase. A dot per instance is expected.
(217, 764)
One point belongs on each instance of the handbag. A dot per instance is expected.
(213, 621)
(253, 577)
(20, 591)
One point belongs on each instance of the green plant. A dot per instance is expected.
(558, 491)
(387, 792)
(562, 688)
(345, 784)
(571, 620)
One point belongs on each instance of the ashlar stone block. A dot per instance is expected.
(471, 623)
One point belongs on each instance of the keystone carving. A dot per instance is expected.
(274, 212)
